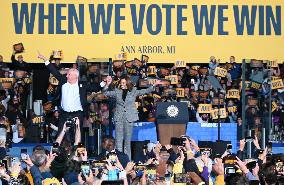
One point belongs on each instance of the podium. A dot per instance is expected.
(172, 118)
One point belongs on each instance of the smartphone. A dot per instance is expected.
(14, 160)
(176, 141)
(112, 157)
(181, 178)
(24, 154)
(230, 170)
(248, 139)
(55, 148)
(85, 168)
(279, 165)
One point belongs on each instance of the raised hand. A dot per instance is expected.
(40, 56)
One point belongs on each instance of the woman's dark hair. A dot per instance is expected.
(128, 82)
(23, 179)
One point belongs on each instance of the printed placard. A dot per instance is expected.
(273, 106)
(256, 63)
(272, 63)
(215, 112)
(233, 93)
(131, 71)
(247, 83)
(7, 83)
(38, 120)
(219, 71)
(81, 59)
(195, 67)
(277, 84)
(18, 48)
(152, 81)
(204, 108)
(255, 85)
(145, 58)
(172, 78)
(53, 80)
(152, 70)
(275, 78)
(58, 54)
(232, 109)
(121, 56)
(180, 92)
(180, 63)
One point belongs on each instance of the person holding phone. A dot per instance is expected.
(126, 113)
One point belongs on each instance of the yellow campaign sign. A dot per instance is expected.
(277, 84)
(232, 109)
(274, 106)
(165, 30)
(152, 81)
(215, 112)
(7, 83)
(204, 108)
(57, 54)
(180, 63)
(275, 78)
(233, 93)
(219, 71)
(247, 83)
(172, 78)
(255, 85)
(272, 63)
(38, 120)
(180, 92)
(121, 56)
(152, 70)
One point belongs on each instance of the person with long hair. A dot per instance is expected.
(125, 113)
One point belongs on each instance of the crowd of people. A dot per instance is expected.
(123, 95)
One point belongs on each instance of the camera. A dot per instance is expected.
(176, 141)
(70, 122)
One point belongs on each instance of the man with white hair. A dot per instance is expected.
(71, 95)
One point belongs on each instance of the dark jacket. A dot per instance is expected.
(83, 87)
(20, 66)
